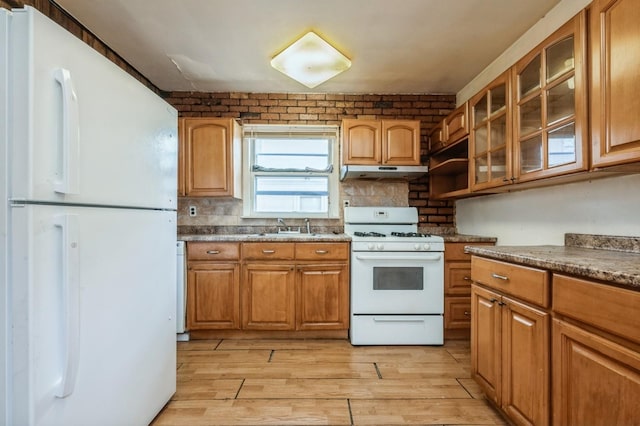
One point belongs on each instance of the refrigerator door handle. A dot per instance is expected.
(70, 179)
(68, 224)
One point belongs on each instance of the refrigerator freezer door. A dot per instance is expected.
(93, 314)
(83, 130)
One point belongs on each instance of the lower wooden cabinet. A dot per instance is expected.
(213, 286)
(276, 286)
(457, 289)
(596, 381)
(510, 355)
(268, 301)
(510, 343)
(322, 297)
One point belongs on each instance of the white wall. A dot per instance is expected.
(553, 20)
(608, 206)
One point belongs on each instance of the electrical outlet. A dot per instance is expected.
(192, 211)
(346, 203)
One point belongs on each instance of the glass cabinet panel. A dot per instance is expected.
(560, 101)
(480, 110)
(560, 58)
(498, 98)
(481, 140)
(499, 164)
(531, 116)
(482, 169)
(499, 132)
(531, 154)
(530, 77)
(562, 145)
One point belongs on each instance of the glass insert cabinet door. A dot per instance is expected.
(550, 106)
(490, 135)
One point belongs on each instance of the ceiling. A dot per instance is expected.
(396, 46)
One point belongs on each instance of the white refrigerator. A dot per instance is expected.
(88, 232)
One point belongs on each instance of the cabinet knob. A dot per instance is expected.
(467, 313)
(493, 300)
(213, 251)
(504, 179)
(466, 278)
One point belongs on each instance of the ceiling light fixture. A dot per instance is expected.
(310, 60)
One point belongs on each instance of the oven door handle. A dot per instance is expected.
(433, 257)
(397, 320)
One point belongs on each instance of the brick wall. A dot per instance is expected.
(319, 108)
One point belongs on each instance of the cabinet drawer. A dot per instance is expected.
(457, 278)
(213, 251)
(457, 312)
(609, 308)
(523, 282)
(268, 251)
(455, 251)
(322, 251)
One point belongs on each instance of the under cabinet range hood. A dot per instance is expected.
(382, 172)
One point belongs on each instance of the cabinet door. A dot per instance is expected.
(361, 142)
(322, 293)
(490, 135)
(615, 105)
(485, 341)
(595, 381)
(437, 137)
(525, 363)
(457, 124)
(207, 152)
(268, 297)
(550, 132)
(213, 296)
(401, 142)
(181, 166)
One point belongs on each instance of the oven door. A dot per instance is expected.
(397, 283)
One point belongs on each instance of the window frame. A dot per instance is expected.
(248, 188)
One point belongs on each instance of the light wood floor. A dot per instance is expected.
(324, 382)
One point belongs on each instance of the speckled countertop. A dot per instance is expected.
(266, 237)
(606, 258)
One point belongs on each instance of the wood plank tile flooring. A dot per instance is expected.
(324, 382)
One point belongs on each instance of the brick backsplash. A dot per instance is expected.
(320, 108)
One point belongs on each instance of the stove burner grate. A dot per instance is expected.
(368, 234)
(409, 234)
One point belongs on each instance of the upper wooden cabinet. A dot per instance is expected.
(451, 129)
(371, 142)
(615, 82)
(210, 157)
(550, 102)
(490, 135)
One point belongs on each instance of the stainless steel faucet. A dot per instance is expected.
(306, 221)
(281, 221)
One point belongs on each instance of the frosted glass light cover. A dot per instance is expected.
(311, 61)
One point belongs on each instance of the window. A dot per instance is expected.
(291, 171)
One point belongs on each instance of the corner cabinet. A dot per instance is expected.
(510, 338)
(379, 142)
(550, 102)
(209, 157)
(615, 84)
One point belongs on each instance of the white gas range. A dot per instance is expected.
(397, 278)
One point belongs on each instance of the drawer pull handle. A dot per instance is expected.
(467, 278)
(467, 313)
(500, 277)
(268, 251)
(322, 251)
(213, 251)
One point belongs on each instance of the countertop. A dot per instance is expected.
(609, 262)
(266, 237)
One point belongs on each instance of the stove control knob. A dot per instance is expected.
(379, 246)
(416, 246)
(371, 246)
